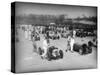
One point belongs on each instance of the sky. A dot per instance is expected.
(51, 9)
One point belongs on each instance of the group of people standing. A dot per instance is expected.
(70, 43)
(30, 30)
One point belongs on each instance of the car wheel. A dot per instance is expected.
(61, 53)
(40, 51)
(80, 51)
(90, 50)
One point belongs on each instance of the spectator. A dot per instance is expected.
(45, 47)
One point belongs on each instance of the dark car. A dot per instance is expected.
(53, 36)
(81, 34)
(53, 53)
(37, 38)
(83, 49)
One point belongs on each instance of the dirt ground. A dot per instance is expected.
(28, 61)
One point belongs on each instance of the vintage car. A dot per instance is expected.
(53, 53)
(83, 49)
(37, 37)
(81, 33)
(90, 34)
(84, 33)
(53, 36)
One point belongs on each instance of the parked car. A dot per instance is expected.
(83, 49)
(53, 36)
(37, 37)
(53, 53)
(84, 33)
